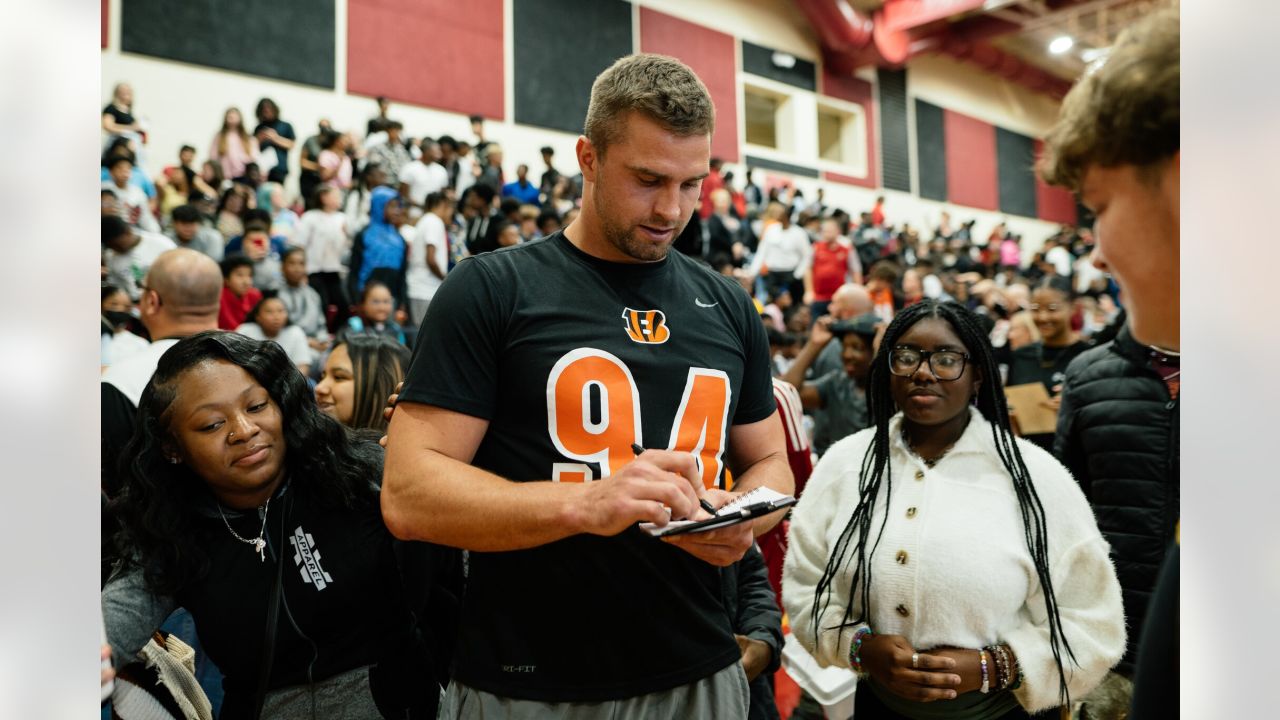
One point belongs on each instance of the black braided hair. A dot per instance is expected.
(876, 470)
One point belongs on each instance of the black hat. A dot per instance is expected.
(863, 325)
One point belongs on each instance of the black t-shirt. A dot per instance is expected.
(284, 130)
(535, 339)
(122, 117)
(1039, 363)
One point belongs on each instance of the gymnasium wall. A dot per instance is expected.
(524, 65)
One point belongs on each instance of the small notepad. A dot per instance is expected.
(749, 505)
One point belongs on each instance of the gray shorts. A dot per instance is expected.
(722, 696)
(341, 697)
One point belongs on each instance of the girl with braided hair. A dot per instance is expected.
(956, 568)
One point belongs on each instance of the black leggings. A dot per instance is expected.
(866, 706)
(329, 286)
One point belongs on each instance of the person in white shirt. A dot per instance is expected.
(269, 320)
(1060, 257)
(422, 177)
(135, 206)
(466, 168)
(428, 254)
(1088, 277)
(782, 258)
(129, 253)
(322, 233)
(181, 299)
(940, 557)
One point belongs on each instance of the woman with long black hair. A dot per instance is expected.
(259, 514)
(943, 559)
(358, 375)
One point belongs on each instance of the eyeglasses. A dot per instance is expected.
(946, 365)
(143, 289)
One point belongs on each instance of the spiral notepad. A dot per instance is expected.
(749, 505)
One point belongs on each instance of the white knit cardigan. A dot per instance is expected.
(953, 567)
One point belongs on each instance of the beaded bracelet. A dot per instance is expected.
(1010, 674)
(1002, 660)
(997, 652)
(986, 680)
(1001, 666)
(855, 648)
(1015, 674)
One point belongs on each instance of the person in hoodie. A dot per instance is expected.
(378, 251)
(232, 473)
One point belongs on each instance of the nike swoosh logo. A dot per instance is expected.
(699, 303)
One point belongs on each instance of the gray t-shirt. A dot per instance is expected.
(844, 410)
(207, 240)
(830, 358)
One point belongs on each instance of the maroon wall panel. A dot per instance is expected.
(106, 7)
(851, 89)
(435, 53)
(971, 162)
(1053, 203)
(712, 56)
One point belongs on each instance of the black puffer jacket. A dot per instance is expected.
(1118, 435)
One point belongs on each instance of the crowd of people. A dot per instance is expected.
(259, 352)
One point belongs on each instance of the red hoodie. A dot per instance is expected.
(234, 308)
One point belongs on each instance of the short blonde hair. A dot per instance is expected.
(1023, 319)
(661, 87)
(1123, 113)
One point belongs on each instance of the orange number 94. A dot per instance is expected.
(606, 438)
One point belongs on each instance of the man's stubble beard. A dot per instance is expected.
(620, 236)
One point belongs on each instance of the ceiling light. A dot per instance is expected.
(1090, 54)
(783, 60)
(1061, 44)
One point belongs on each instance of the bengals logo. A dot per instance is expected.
(646, 326)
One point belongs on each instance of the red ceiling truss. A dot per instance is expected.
(859, 33)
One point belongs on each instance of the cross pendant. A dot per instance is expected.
(260, 546)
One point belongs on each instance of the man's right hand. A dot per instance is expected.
(390, 409)
(640, 492)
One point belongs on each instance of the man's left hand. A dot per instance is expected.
(721, 547)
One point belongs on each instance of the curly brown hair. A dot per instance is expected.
(1124, 112)
(658, 86)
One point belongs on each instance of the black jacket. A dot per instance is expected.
(1118, 435)
(753, 611)
(351, 596)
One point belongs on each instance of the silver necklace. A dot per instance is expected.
(930, 463)
(259, 544)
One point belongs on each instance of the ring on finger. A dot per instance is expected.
(915, 660)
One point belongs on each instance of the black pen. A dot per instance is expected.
(701, 501)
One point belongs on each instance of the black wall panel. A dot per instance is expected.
(283, 39)
(758, 60)
(895, 135)
(1015, 158)
(931, 151)
(802, 171)
(560, 48)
